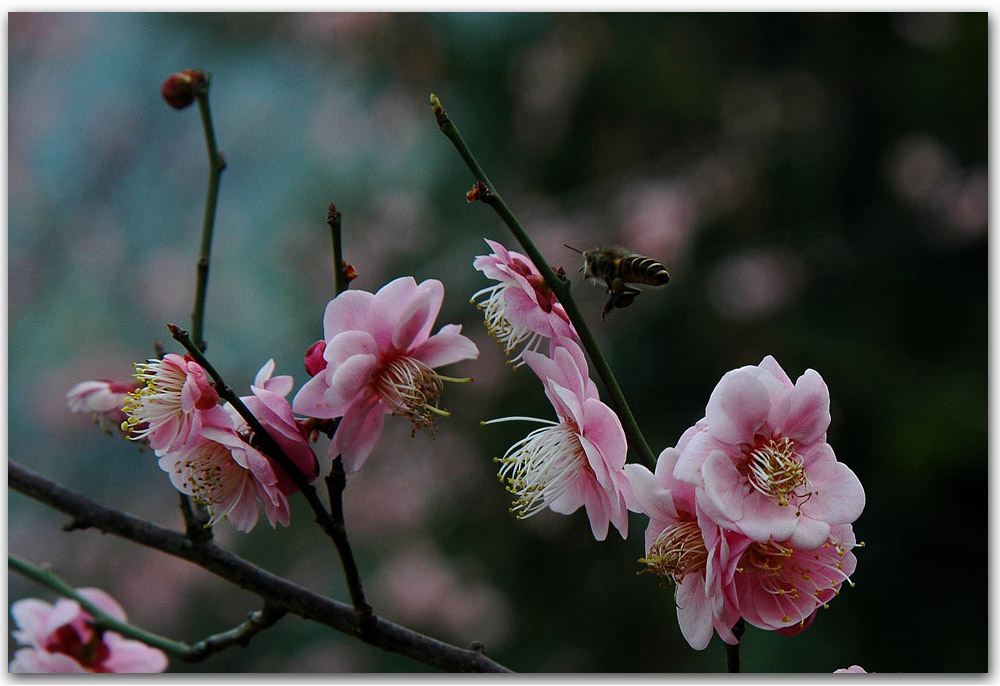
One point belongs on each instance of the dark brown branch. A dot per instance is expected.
(335, 484)
(256, 621)
(278, 592)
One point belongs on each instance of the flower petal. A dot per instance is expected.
(358, 433)
(738, 407)
(840, 497)
(445, 347)
(345, 312)
(725, 486)
(386, 307)
(809, 415)
(694, 612)
(602, 426)
(416, 319)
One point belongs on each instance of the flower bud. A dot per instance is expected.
(315, 362)
(179, 88)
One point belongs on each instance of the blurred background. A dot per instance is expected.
(816, 184)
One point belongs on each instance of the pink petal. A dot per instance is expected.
(445, 347)
(725, 486)
(809, 415)
(770, 365)
(348, 381)
(597, 510)
(345, 312)
(694, 612)
(31, 661)
(386, 308)
(809, 533)
(763, 518)
(311, 398)
(104, 602)
(738, 407)
(840, 497)
(264, 373)
(602, 426)
(697, 447)
(347, 344)
(358, 433)
(132, 657)
(566, 403)
(416, 320)
(31, 615)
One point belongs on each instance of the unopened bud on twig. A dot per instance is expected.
(180, 88)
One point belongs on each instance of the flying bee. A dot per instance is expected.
(618, 267)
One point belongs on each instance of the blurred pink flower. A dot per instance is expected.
(688, 549)
(521, 309)
(102, 398)
(61, 640)
(162, 409)
(853, 669)
(269, 406)
(781, 586)
(575, 461)
(760, 455)
(380, 360)
(216, 466)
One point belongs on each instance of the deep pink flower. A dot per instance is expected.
(521, 309)
(61, 641)
(688, 549)
(380, 360)
(269, 406)
(780, 585)
(163, 408)
(315, 363)
(760, 455)
(575, 461)
(216, 466)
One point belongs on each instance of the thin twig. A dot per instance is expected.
(279, 592)
(559, 286)
(339, 279)
(240, 635)
(216, 164)
(733, 651)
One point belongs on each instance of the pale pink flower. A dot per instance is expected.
(60, 639)
(780, 585)
(688, 549)
(217, 467)
(853, 669)
(103, 399)
(760, 455)
(521, 309)
(380, 360)
(162, 409)
(269, 406)
(575, 461)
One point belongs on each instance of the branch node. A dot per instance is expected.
(479, 647)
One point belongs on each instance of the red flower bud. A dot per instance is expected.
(315, 362)
(179, 88)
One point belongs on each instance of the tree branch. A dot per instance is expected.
(489, 194)
(280, 593)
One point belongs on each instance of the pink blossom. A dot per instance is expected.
(761, 457)
(163, 408)
(853, 669)
(102, 398)
(575, 461)
(781, 585)
(216, 466)
(380, 360)
(60, 639)
(521, 309)
(687, 548)
(269, 406)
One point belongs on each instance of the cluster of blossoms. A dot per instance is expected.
(60, 639)
(749, 515)
(208, 449)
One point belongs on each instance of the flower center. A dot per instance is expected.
(541, 467)
(68, 641)
(677, 551)
(413, 389)
(799, 581)
(157, 400)
(505, 333)
(776, 470)
(212, 476)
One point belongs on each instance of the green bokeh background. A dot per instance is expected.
(816, 183)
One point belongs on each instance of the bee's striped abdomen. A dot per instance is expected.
(642, 269)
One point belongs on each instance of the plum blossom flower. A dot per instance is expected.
(216, 466)
(380, 359)
(688, 549)
(575, 461)
(853, 669)
(761, 457)
(163, 408)
(61, 640)
(781, 586)
(102, 398)
(269, 406)
(520, 310)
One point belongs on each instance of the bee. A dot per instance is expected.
(618, 267)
